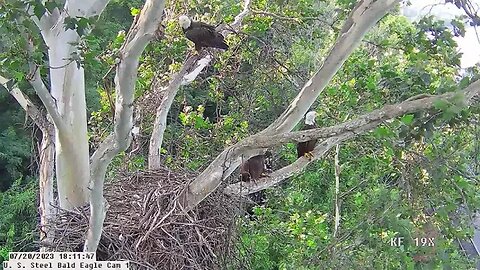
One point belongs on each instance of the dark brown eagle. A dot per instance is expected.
(305, 148)
(202, 34)
(255, 167)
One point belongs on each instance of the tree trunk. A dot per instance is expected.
(68, 90)
(47, 201)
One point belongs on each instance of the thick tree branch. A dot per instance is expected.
(385, 113)
(141, 33)
(168, 95)
(47, 209)
(363, 17)
(47, 99)
(339, 133)
(46, 21)
(242, 188)
(366, 14)
(85, 8)
(182, 78)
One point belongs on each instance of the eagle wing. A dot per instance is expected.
(204, 35)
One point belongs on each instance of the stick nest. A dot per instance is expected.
(146, 225)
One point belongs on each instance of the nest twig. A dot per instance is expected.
(146, 225)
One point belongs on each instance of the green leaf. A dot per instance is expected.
(383, 132)
(441, 104)
(183, 118)
(82, 26)
(51, 5)
(134, 11)
(464, 82)
(39, 10)
(70, 23)
(407, 119)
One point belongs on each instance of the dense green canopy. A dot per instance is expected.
(391, 179)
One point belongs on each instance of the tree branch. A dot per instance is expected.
(339, 133)
(169, 92)
(337, 190)
(46, 21)
(47, 99)
(243, 188)
(168, 95)
(366, 14)
(140, 34)
(47, 209)
(40, 88)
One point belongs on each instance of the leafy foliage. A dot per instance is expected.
(18, 220)
(406, 178)
(15, 148)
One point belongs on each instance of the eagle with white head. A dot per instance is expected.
(306, 148)
(202, 34)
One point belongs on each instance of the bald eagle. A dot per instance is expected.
(202, 34)
(305, 148)
(255, 167)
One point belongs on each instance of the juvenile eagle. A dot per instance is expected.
(305, 148)
(202, 34)
(255, 167)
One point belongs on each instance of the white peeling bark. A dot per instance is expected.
(67, 106)
(66, 101)
(168, 95)
(85, 8)
(140, 34)
(47, 161)
(337, 191)
(365, 15)
(47, 200)
(169, 92)
(340, 133)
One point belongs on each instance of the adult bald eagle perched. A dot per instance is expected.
(255, 167)
(202, 34)
(305, 148)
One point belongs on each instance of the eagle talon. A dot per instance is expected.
(309, 156)
(263, 174)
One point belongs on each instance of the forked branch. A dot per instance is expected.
(342, 132)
